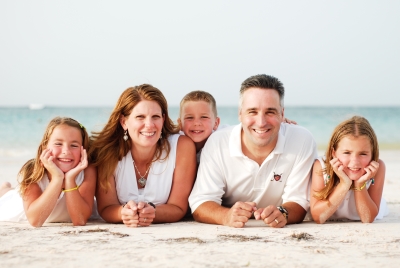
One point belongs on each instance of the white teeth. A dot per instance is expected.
(260, 131)
(197, 131)
(65, 160)
(147, 134)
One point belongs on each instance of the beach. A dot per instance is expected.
(191, 244)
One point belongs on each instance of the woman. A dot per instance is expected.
(145, 169)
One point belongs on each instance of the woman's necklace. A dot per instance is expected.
(142, 180)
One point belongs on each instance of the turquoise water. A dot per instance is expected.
(21, 129)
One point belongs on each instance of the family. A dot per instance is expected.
(143, 169)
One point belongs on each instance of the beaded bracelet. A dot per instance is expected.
(69, 190)
(359, 189)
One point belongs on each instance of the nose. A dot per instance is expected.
(65, 149)
(261, 120)
(354, 160)
(148, 122)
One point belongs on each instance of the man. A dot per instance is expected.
(261, 166)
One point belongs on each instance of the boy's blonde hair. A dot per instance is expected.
(356, 126)
(199, 95)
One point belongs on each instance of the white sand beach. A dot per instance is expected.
(191, 244)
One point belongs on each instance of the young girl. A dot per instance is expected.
(348, 183)
(54, 186)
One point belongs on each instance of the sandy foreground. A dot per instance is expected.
(192, 244)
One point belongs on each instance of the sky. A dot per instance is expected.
(85, 53)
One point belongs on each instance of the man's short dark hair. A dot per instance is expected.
(263, 81)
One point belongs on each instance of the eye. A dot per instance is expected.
(74, 145)
(139, 116)
(204, 116)
(58, 143)
(189, 118)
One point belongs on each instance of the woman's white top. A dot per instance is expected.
(159, 178)
(348, 209)
(12, 208)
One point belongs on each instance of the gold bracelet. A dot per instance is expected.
(359, 189)
(69, 190)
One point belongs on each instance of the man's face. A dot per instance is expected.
(261, 115)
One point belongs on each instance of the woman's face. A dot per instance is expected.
(355, 154)
(144, 124)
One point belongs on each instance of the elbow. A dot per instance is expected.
(36, 223)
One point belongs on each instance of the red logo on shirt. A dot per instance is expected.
(277, 177)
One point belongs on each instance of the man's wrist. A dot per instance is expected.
(284, 212)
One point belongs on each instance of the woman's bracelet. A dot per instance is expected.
(359, 189)
(69, 190)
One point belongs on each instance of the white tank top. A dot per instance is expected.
(159, 179)
(348, 209)
(12, 208)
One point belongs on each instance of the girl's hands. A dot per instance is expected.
(71, 174)
(370, 172)
(338, 169)
(47, 161)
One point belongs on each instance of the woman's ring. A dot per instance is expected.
(276, 221)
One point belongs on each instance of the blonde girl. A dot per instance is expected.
(57, 185)
(348, 182)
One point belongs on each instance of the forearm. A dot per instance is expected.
(366, 208)
(322, 210)
(78, 209)
(211, 212)
(39, 210)
(111, 213)
(296, 212)
(168, 213)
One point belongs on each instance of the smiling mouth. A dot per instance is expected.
(64, 160)
(354, 169)
(197, 131)
(148, 134)
(260, 131)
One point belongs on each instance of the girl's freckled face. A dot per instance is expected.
(355, 153)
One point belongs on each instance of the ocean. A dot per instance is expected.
(21, 129)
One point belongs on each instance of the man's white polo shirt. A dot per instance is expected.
(226, 175)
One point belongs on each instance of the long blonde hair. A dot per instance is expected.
(32, 171)
(356, 126)
(108, 146)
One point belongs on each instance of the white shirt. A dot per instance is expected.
(347, 209)
(159, 179)
(226, 175)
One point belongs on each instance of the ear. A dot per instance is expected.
(179, 123)
(333, 153)
(122, 120)
(283, 113)
(217, 121)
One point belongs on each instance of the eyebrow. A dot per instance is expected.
(71, 141)
(255, 109)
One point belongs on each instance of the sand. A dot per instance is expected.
(192, 244)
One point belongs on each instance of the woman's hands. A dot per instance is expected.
(134, 215)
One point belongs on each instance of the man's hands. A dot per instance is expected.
(239, 214)
(271, 216)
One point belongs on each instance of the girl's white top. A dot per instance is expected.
(347, 209)
(159, 179)
(12, 208)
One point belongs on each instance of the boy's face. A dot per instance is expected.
(197, 120)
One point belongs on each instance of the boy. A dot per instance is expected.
(198, 117)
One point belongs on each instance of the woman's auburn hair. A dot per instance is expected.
(356, 126)
(108, 146)
(32, 171)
